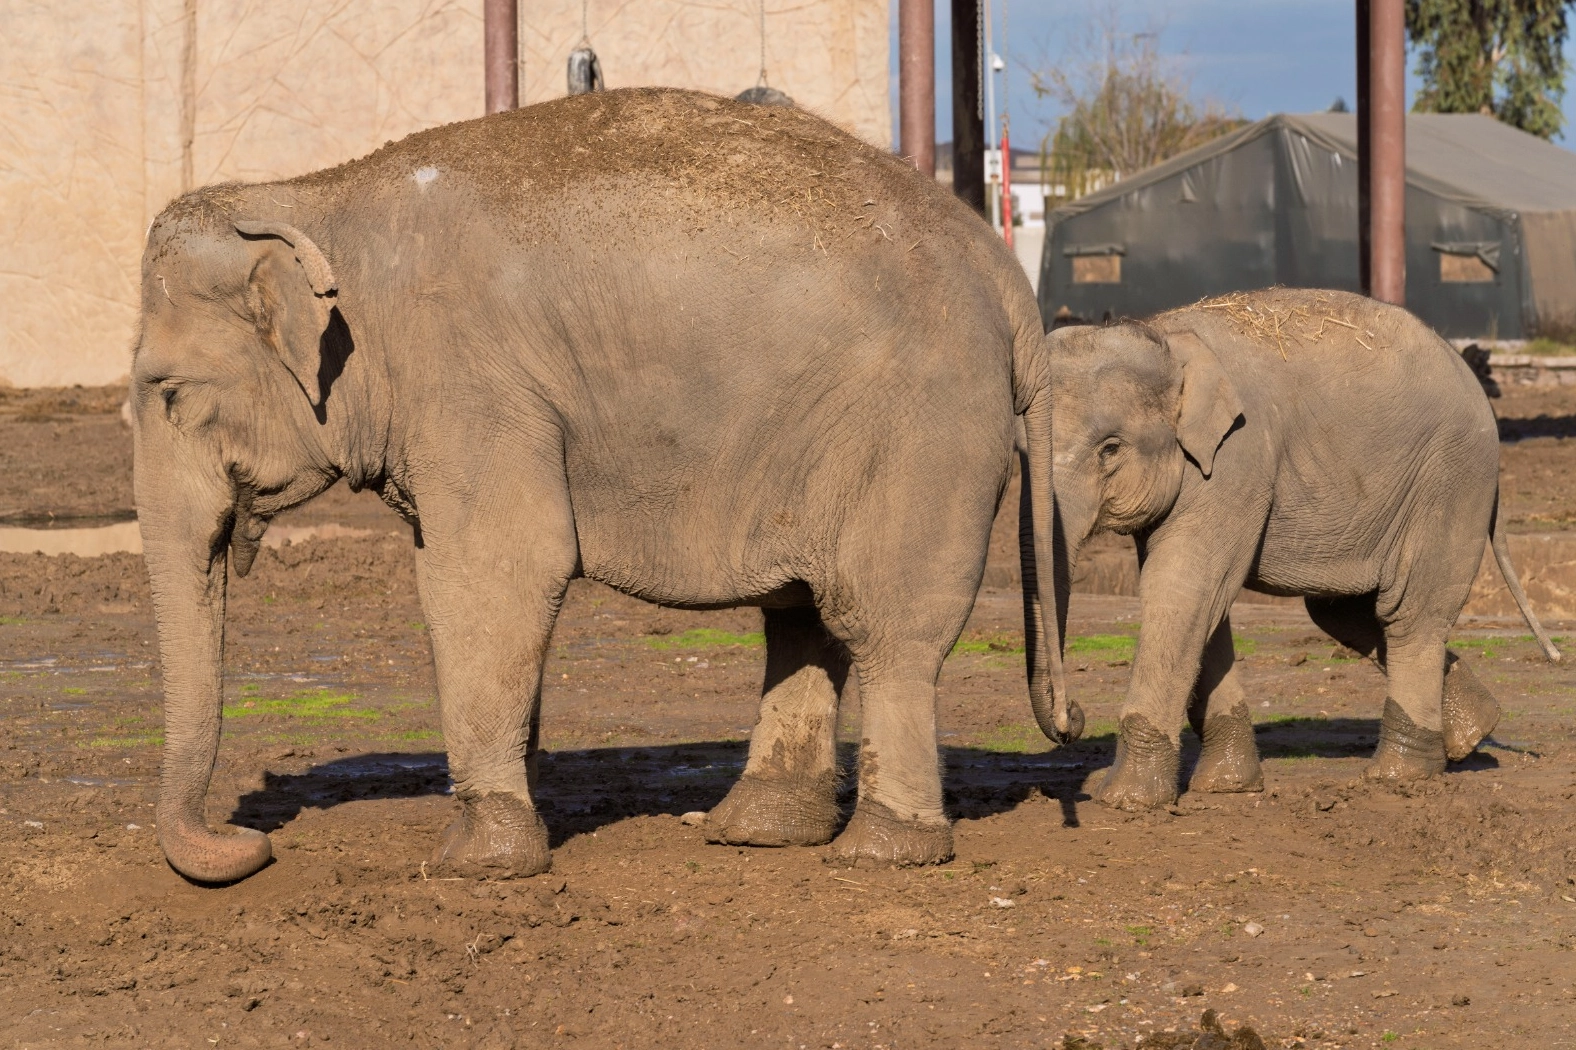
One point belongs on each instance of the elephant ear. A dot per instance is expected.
(291, 294)
(1209, 407)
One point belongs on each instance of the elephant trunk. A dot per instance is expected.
(1047, 582)
(186, 518)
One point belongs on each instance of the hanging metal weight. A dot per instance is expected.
(585, 72)
(761, 95)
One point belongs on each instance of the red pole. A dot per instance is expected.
(1385, 145)
(916, 64)
(501, 44)
(1006, 184)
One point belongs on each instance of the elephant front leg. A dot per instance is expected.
(1229, 759)
(491, 602)
(1184, 591)
(788, 793)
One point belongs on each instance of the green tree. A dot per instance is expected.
(1124, 111)
(1501, 58)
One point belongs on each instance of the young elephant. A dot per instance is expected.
(711, 354)
(1296, 443)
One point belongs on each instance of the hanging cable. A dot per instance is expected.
(585, 72)
(761, 94)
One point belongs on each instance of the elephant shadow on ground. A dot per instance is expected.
(581, 791)
(1522, 428)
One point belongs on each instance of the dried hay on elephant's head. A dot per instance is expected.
(1285, 317)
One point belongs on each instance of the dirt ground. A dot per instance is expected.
(1324, 912)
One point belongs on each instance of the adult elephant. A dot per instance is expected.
(1296, 443)
(708, 353)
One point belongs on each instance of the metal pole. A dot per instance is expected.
(916, 49)
(501, 44)
(968, 114)
(993, 143)
(1364, 153)
(1387, 150)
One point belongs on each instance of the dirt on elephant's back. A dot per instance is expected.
(682, 148)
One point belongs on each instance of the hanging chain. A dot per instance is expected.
(763, 44)
(979, 59)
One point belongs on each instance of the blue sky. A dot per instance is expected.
(1253, 56)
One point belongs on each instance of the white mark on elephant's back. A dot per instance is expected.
(424, 175)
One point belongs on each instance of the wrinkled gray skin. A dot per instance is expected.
(709, 354)
(1353, 461)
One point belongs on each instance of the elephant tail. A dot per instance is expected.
(1046, 583)
(1496, 538)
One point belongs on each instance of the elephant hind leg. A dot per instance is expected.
(1471, 712)
(1470, 709)
(1218, 712)
(788, 793)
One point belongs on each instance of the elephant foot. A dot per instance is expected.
(876, 834)
(1229, 760)
(1407, 751)
(1471, 712)
(1144, 775)
(497, 835)
(761, 812)
(204, 855)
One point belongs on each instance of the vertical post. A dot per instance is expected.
(916, 65)
(1383, 140)
(1364, 154)
(501, 44)
(968, 116)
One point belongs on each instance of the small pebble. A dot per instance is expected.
(1252, 929)
(694, 818)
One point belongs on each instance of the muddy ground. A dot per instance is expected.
(1324, 912)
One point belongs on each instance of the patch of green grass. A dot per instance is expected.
(1096, 728)
(1545, 347)
(693, 866)
(1141, 934)
(707, 638)
(74, 691)
(1014, 739)
(416, 734)
(1104, 942)
(315, 705)
(1487, 648)
(1103, 646)
(12, 621)
(1244, 646)
(145, 740)
(989, 643)
(251, 689)
(1389, 1037)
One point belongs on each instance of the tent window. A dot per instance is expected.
(1097, 269)
(1464, 269)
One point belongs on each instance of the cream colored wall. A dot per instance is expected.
(108, 108)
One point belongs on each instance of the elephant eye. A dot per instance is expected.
(1111, 447)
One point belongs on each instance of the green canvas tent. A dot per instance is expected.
(1490, 226)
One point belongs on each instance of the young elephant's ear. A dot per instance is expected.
(1209, 406)
(292, 292)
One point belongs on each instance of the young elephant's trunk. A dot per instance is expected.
(1047, 581)
(185, 517)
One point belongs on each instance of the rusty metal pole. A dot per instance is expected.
(916, 73)
(1385, 145)
(1364, 107)
(501, 43)
(968, 113)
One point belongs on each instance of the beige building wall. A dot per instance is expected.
(108, 108)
